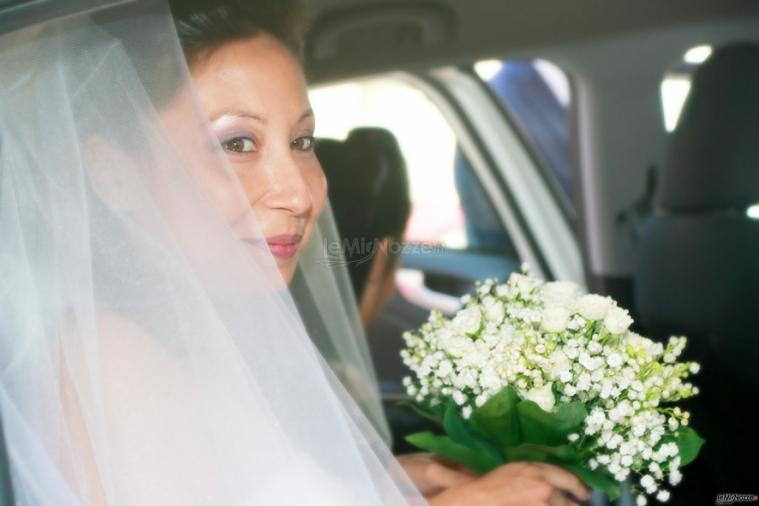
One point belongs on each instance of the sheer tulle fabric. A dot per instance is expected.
(324, 296)
(150, 353)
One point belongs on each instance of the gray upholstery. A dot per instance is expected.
(699, 266)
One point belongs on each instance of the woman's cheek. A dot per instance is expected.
(254, 184)
(221, 188)
(318, 190)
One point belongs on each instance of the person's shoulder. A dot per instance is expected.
(128, 353)
(120, 336)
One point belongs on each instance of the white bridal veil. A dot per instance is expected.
(324, 295)
(150, 354)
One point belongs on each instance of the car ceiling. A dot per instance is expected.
(615, 50)
(361, 36)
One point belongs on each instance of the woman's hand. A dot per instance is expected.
(432, 474)
(517, 484)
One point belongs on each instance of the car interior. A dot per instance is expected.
(564, 150)
(562, 135)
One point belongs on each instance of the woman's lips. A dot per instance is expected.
(284, 246)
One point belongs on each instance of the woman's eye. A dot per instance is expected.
(305, 143)
(239, 145)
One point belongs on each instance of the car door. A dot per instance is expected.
(484, 198)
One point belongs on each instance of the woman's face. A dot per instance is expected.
(255, 95)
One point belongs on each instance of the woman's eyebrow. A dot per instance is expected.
(309, 113)
(239, 114)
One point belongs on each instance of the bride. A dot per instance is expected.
(150, 217)
(259, 110)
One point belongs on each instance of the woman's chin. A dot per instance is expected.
(287, 268)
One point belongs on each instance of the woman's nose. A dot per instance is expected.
(289, 189)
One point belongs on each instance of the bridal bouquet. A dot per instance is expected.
(535, 371)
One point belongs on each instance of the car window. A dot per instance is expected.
(536, 96)
(450, 208)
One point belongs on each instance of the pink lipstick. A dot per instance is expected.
(284, 246)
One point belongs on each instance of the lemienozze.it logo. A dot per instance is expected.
(724, 499)
(362, 250)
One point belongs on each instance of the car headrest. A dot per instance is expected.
(713, 155)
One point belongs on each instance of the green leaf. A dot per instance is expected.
(497, 418)
(550, 429)
(432, 413)
(597, 480)
(541, 453)
(444, 446)
(689, 443)
(462, 432)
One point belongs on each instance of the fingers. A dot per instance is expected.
(430, 476)
(445, 477)
(555, 498)
(558, 499)
(452, 464)
(522, 484)
(546, 503)
(564, 480)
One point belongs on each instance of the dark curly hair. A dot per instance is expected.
(205, 25)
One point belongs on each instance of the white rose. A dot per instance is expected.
(494, 310)
(593, 307)
(457, 346)
(467, 321)
(560, 293)
(635, 340)
(555, 318)
(617, 320)
(524, 284)
(542, 396)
